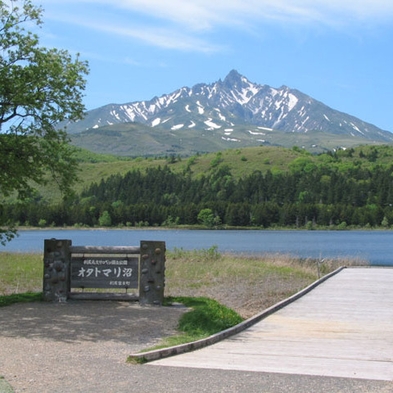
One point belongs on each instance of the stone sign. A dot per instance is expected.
(119, 267)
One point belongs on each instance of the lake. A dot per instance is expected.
(373, 246)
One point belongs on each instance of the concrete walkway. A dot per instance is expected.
(343, 328)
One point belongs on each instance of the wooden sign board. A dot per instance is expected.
(104, 272)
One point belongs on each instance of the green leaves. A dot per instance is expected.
(206, 217)
(39, 88)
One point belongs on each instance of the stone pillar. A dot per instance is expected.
(57, 262)
(152, 272)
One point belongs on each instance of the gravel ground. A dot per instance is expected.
(68, 347)
(82, 346)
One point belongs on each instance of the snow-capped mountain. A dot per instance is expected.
(223, 106)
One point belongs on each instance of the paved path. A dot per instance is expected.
(343, 328)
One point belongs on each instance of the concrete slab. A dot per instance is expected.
(343, 328)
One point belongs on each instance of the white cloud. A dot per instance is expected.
(164, 37)
(202, 14)
(185, 24)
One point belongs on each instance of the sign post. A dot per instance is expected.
(57, 257)
(67, 267)
(152, 277)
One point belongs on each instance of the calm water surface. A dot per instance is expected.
(373, 246)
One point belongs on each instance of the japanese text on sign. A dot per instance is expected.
(100, 272)
(96, 272)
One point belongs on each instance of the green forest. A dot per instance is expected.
(338, 190)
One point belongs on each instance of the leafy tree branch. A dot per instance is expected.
(40, 89)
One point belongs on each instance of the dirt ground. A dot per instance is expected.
(47, 347)
(68, 347)
(248, 298)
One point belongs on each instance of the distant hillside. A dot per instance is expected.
(252, 187)
(241, 162)
(226, 114)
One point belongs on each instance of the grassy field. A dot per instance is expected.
(20, 273)
(221, 290)
(94, 167)
(245, 284)
(241, 161)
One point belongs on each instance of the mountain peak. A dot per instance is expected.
(233, 74)
(233, 78)
(235, 110)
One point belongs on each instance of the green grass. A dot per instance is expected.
(84, 155)
(20, 273)
(205, 318)
(5, 387)
(20, 298)
(208, 268)
(241, 161)
(247, 284)
(195, 273)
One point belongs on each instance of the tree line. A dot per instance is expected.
(306, 196)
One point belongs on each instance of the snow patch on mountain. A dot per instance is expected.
(211, 124)
(230, 139)
(292, 101)
(156, 122)
(201, 109)
(256, 133)
(356, 128)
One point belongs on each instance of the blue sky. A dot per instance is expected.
(337, 51)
